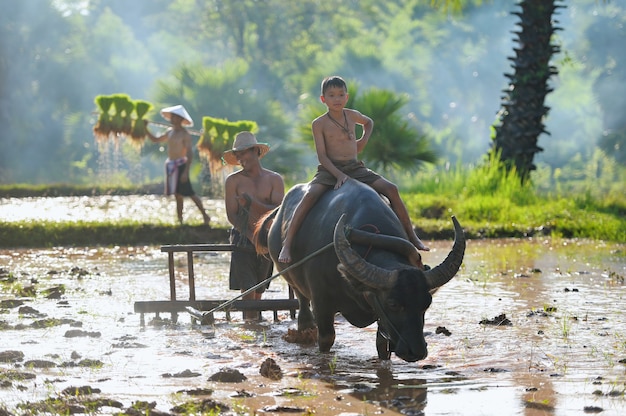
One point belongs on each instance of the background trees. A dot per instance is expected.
(264, 61)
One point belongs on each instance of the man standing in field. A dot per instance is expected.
(179, 158)
(249, 193)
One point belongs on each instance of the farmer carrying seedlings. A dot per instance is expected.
(179, 158)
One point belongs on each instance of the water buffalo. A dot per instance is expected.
(374, 274)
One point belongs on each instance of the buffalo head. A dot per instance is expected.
(399, 295)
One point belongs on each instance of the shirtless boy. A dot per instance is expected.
(337, 149)
(249, 193)
(179, 157)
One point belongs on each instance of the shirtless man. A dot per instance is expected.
(249, 193)
(179, 158)
(337, 149)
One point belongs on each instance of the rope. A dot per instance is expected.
(383, 318)
(269, 279)
(376, 231)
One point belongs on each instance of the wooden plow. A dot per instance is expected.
(203, 310)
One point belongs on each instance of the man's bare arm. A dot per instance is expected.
(163, 137)
(230, 200)
(278, 190)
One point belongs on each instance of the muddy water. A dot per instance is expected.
(560, 351)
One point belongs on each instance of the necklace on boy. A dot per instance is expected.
(341, 126)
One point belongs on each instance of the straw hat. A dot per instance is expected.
(179, 110)
(244, 140)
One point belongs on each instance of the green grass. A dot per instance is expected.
(584, 202)
(489, 203)
(52, 234)
(52, 190)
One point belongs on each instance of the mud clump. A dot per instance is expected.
(283, 409)
(443, 330)
(500, 320)
(305, 337)
(39, 364)
(80, 391)
(206, 406)
(228, 375)
(8, 375)
(183, 374)
(11, 356)
(69, 406)
(197, 392)
(73, 333)
(271, 370)
(10, 303)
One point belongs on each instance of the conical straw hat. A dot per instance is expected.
(180, 111)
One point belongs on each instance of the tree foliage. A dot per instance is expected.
(264, 60)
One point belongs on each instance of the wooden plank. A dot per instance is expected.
(170, 265)
(185, 248)
(157, 306)
(191, 276)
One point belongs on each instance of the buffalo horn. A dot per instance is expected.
(356, 266)
(389, 242)
(441, 274)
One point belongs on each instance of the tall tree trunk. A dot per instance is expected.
(520, 120)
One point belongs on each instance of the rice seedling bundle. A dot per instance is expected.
(218, 136)
(102, 128)
(138, 132)
(127, 120)
(120, 102)
(120, 116)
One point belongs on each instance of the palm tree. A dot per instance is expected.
(523, 107)
(395, 143)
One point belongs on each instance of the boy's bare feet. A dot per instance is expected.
(284, 256)
(206, 217)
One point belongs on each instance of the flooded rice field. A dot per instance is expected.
(527, 327)
(148, 208)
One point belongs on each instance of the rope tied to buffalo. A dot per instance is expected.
(269, 279)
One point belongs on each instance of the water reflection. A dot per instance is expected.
(406, 396)
(147, 208)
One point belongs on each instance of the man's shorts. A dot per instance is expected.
(183, 188)
(247, 268)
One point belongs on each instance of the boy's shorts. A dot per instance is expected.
(353, 168)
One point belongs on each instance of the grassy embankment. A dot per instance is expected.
(487, 203)
(584, 203)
